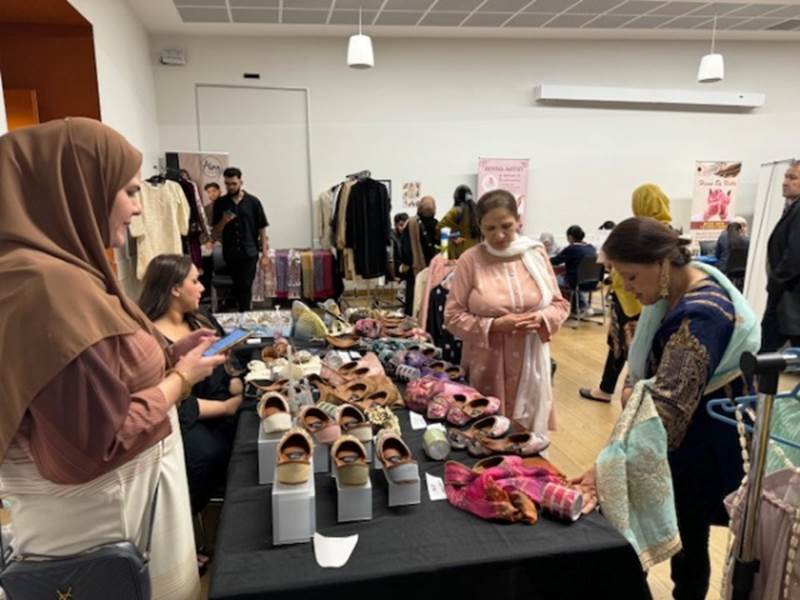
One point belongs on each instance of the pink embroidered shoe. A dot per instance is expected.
(421, 391)
(461, 413)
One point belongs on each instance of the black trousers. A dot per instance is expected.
(243, 272)
(611, 372)
(617, 345)
(698, 503)
(772, 339)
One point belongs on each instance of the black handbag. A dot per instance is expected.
(116, 569)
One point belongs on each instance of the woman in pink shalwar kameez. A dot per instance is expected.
(494, 302)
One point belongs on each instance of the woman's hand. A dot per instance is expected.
(187, 342)
(587, 484)
(196, 367)
(518, 323)
(506, 323)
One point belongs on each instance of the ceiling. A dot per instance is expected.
(757, 19)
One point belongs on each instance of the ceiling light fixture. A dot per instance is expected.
(359, 49)
(712, 66)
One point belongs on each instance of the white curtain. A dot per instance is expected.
(767, 212)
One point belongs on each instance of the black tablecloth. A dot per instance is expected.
(429, 551)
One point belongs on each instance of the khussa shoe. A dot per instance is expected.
(462, 413)
(344, 342)
(521, 444)
(308, 324)
(294, 457)
(353, 422)
(395, 456)
(274, 412)
(495, 427)
(350, 458)
(319, 424)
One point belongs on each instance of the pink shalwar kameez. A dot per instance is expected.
(483, 288)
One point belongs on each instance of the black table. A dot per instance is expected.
(429, 551)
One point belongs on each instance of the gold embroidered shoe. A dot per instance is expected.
(294, 457)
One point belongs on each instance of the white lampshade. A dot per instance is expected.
(712, 69)
(359, 52)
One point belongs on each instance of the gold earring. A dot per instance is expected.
(664, 279)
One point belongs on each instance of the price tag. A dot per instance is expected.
(436, 489)
(417, 421)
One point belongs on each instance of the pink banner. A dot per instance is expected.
(714, 198)
(510, 174)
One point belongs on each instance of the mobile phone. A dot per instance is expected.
(235, 337)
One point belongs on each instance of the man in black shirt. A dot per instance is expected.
(240, 220)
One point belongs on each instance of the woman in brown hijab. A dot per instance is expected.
(88, 426)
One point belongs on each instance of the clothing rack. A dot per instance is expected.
(767, 368)
(360, 175)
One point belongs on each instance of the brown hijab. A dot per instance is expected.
(59, 295)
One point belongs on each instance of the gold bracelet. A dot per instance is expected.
(186, 387)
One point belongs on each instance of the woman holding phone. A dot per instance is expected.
(171, 299)
(89, 427)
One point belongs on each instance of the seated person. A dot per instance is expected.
(734, 237)
(571, 258)
(171, 299)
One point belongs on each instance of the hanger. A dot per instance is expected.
(729, 406)
(360, 175)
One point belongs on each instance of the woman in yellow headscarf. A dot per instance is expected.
(648, 200)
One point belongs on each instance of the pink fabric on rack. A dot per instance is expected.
(439, 268)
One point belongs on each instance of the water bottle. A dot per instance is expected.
(444, 241)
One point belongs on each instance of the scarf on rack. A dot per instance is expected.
(534, 400)
(634, 482)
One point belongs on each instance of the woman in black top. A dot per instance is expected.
(171, 299)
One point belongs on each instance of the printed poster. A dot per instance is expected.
(510, 174)
(203, 168)
(412, 193)
(714, 198)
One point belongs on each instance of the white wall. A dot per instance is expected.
(124, 75)
(126, 89)
(430, 108)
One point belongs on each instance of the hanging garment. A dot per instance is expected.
(419, 287)
(164, 219)
(368, 226)
(294, 279)
(434, 325)
(439, 269)
(777, 537)
(325, 214)
(192, 242)
(264, 283)
(307, 262)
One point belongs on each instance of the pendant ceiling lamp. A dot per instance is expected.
(712, 66)
(359, 50)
